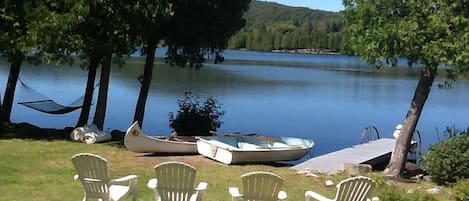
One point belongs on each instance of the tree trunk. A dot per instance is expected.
(15, 68)
(146, 81)
(0, 104)
(399, 155)
(101, 105)
(88, 99)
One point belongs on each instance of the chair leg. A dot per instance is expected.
(133, 192)
(133, 187)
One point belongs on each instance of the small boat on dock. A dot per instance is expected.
(235, 149)
(136, 141)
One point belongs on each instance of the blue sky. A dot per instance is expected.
(329, 5)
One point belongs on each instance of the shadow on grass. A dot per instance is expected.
(28, 131)
(273, 164)
(31, 132)
(163, 155)
(167, 154)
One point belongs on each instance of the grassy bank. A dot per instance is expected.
(41, 170)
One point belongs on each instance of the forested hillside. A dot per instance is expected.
(272, 26)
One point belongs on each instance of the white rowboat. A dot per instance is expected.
(233, 149)
(136, 141)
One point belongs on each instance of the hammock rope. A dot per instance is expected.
(49, 106)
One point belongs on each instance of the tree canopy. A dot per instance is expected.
(425, 32)
(16, 44)
(147, 20)
(100, 32)
(198, 27)
(190, 29)
(432, 34)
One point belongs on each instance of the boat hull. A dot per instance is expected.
(238, 149)
(136, 141)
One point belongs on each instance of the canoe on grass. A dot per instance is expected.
(136, 141)
(233, 149)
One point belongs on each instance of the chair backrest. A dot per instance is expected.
(263, 186)
(175, 181)
(354, 189)
(93, 174)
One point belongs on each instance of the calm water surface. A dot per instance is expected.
(330, 99)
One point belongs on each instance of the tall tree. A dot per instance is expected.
(29, 32)
(34, 24)
(89, 89)
(92, 51)
(104, 34)
(52, 31)
(147, 19)
(194, 28)
(112, 42)
(68, 18)
(15, 44)
(428, 33)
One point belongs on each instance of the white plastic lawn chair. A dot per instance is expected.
(93, 173)
(351, 189)
(259, 186)
(175, 182)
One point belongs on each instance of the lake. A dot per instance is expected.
(329, 98)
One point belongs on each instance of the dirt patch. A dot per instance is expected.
(152, 159)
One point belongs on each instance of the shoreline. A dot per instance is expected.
(297, 51)
(309, 51)
(26, 130)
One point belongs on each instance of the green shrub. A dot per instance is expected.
(448, 161)
(461, 190)
(391, 194)
(195, 117)
(387, 192)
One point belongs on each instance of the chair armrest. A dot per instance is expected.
(202, 186)
(126, 178)
(311, 195)
(234, 192)
(129, 179)
(282, 195)
(199, 191)
(90, 180)
(152, 183)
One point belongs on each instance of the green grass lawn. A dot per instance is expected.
(41, 170)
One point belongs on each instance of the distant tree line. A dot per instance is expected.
(271, 26)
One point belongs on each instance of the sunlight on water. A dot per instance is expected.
(327, 98)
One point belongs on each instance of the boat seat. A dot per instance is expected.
(278, 145)
(246, 145)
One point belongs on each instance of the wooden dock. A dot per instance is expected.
(373, 151)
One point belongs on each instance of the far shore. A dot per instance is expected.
(299, 51)
(309, 51)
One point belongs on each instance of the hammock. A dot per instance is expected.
(48, 105)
